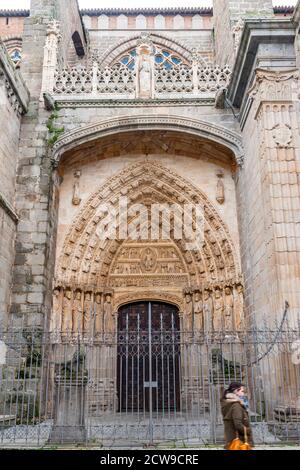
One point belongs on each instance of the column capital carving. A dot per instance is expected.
(268, 84)
(274, 87)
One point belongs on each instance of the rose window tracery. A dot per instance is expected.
(162, 57)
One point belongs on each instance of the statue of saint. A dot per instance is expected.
(208, 310)
(188, 313)
(198, 312)
(239, 308)
(57, 311)
(87, 313)
(228, 318)
(109, 323)
(144, 72)
(99, 314)
(218, 311)
(148, 260)
(67, 312)
(77, 313)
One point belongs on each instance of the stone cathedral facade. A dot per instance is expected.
(174, 106)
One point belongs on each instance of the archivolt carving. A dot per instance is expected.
(89, 261)
(123, 46)
(129, 270)
(196, 127)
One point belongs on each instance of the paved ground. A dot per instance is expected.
(152, 449)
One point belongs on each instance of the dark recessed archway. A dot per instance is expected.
(148, 366)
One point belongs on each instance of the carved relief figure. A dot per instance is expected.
(99, 314)
(57, 310)
(77, 313)
(198, 312)
(218, 310)
(239, 308)
(228, 318)
(188, 313)
(149, 260)
(87, 312)
(67, 312)
(144, 72)
(109, 323)
(208, 310)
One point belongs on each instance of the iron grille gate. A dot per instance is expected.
(149, 360)
(149, 381)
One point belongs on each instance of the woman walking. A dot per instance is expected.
(234, 406)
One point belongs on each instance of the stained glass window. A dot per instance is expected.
(15, 56)
(162, 57)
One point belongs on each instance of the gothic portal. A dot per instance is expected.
(123, 135)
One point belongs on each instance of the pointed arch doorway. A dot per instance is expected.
(148, 364)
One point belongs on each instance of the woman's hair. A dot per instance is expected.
(232, 388)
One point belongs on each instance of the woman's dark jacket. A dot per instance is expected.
(235, 417)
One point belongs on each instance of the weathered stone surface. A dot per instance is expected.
(108, 139)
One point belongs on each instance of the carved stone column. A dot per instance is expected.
(276, 107)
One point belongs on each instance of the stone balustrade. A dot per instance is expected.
(180, 81)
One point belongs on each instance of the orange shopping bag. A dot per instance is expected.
(237, 444)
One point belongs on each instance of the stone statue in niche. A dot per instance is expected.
(239, 308)
(76, 200)
(220, 191)
(57, 310)
(77, 313)
(218, 310)
(198, 311)
(228, 317)
(145, 64)
(99, 314)
(109, 323)
(87, 313)
(188, 313)
(67, 312)
(208, 309)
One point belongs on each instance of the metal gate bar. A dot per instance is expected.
(58, 389)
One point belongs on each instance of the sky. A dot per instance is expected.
(20, 4)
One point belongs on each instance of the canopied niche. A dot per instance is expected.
(95, 277)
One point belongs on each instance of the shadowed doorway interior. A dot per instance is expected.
(148, 357)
